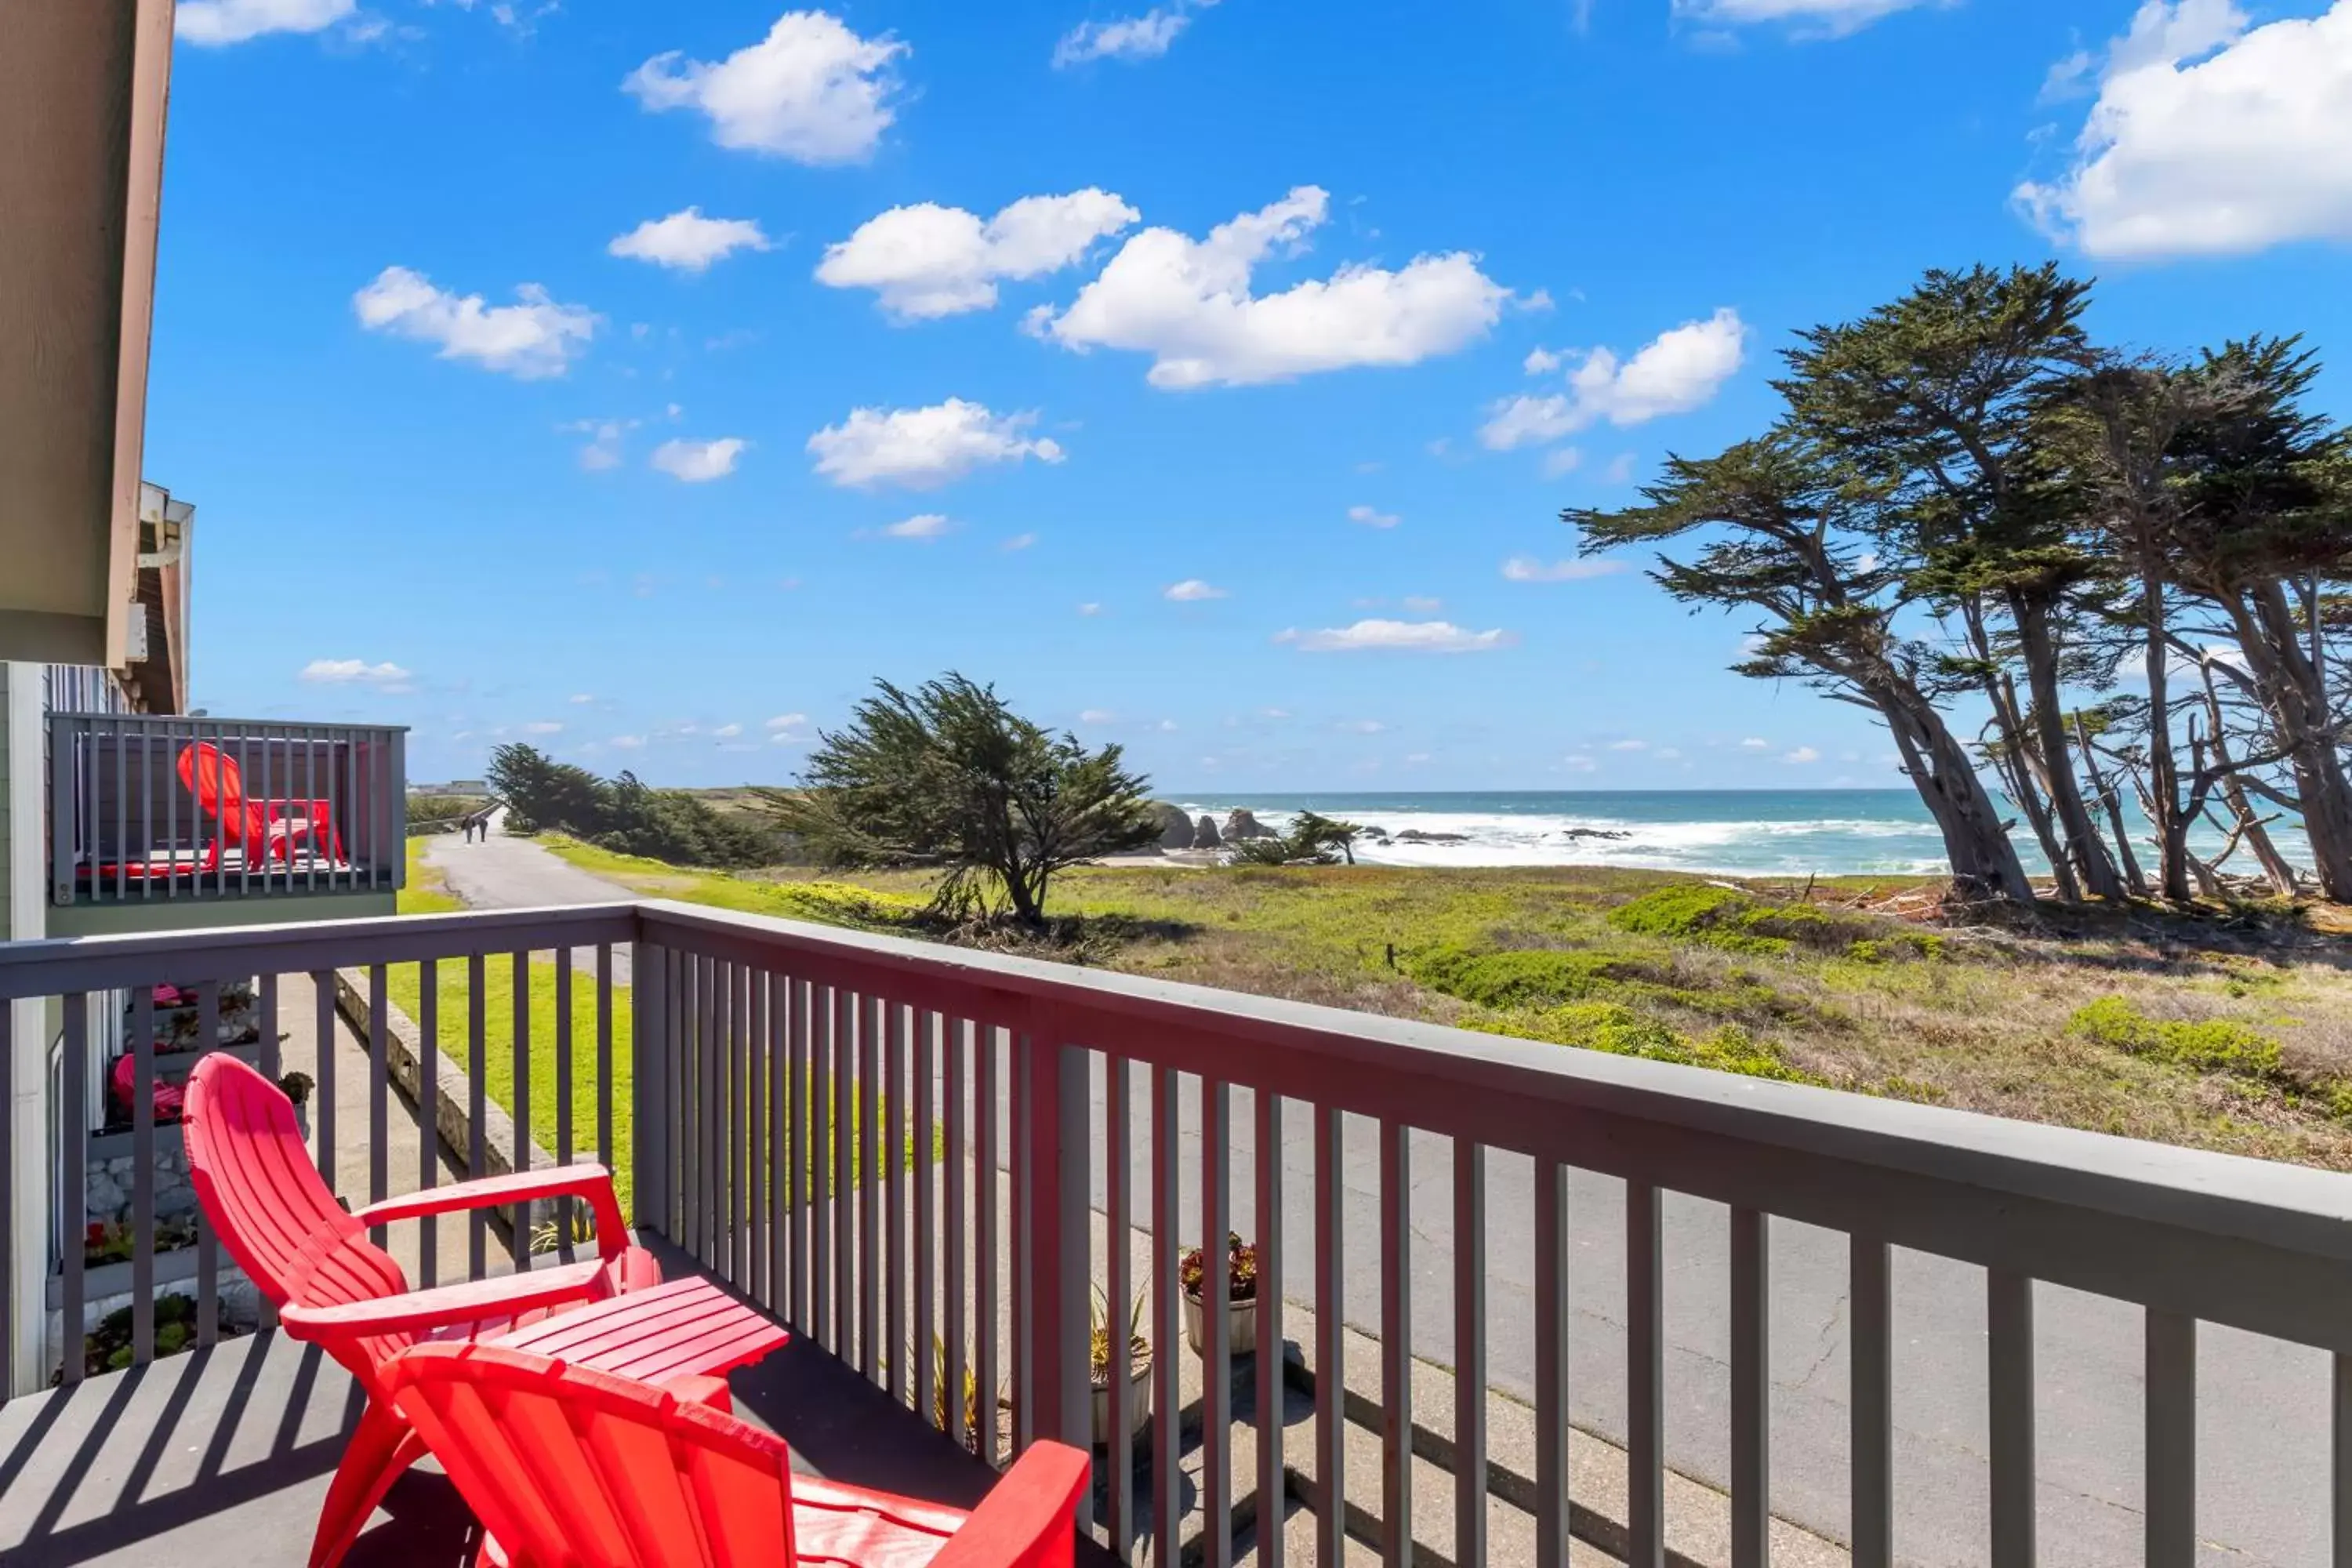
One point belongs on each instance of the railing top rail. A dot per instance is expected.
(1956, 1181)
(59, 965)
(184, 720)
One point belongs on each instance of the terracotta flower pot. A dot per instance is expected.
(1241, 1325)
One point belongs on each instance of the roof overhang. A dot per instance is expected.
(83, 86)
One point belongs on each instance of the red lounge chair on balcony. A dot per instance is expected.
(565, 1464)
(334, 1288)
(264, 830)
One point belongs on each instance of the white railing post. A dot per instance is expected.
(1059, 1233)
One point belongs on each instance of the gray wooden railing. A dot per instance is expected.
(136, 808)
(761, 1049)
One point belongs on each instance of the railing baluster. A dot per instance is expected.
(750, 1177)
(429, 1124)
(379, 1096)
(711, 1060)
(956, 1236)
(208, 1031)
(2171, 1440)
(1870, 1346)
(245, 861)
(799, 995)
(1167, 1215)
(985, 1103)
(563, 1209)
(1119, 1297)
(1018, 1292)
(1216, 1323)
(147, 816)
(1751, 1389)
(846, 1015)
(1331, 1342)
(1645, 1436)
(735, 1256)
(818, 1171)
(1552, 1515)
(142, 1174)
(172, 825)
(1396, 1344)
(272, 1068)
(519, 1239)
(8, 1201)
(73, 1197)
(677, 1086)
(894, 1179)
(869, 1187)
(2009, 1344)
(1270, 1400)
(927, 1237)
(2339, 1467)
(604, 1055)
(122, 816)
(322, 1024)
(477, 1258)
(1469, 1352)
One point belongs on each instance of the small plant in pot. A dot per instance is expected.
(1102, 1351)
(1240, 1290)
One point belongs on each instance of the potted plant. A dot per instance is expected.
(1240, 1290)
(297, 1086)
(1102, 1351)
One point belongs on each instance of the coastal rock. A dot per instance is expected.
(1415, 836)
(1204, 836)
(1241, 823)
(1594, 833)
(1175, 828)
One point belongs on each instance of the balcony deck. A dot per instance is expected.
(221, 1458)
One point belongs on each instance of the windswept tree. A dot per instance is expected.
(1940, 398)
(1797, 543)
(947, 776)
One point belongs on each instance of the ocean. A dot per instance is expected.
(1779, 832)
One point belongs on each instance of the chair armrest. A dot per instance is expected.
(1029, 1517)
(696, 1388)
(591, 1181)
(506, 1296)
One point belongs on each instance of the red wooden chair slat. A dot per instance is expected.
(571, 1466)
(262, 1196)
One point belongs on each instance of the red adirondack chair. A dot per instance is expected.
(263, 829)
(332, 1286)
(571, 1468)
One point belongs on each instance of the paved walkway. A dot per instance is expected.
(506, 872)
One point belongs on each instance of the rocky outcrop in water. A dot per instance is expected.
(1175, 828)
(1240, 823)
(1204, 835)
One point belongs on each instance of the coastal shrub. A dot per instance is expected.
(1619, 1030)
(2211, 1045)
(1903, 945)
(1524, 978)
(1729, 919)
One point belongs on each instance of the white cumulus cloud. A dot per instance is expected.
(355, 672)
(1801, 754)
(1675, 371)
(699, 462)
(922, 525)
(1756, 744)
(1191, 591)
(1404, 636)
(1371, 518)
(2208, 138)
(811, 90)
(235, 21)
(923, 448)
(1528, 569)
(534, 338)
(1188, 304)
(1144, 38)
(927, 261)
(688, 241)
(1629, 745)
(1096, 715)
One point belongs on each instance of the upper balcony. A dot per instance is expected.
(163, 819)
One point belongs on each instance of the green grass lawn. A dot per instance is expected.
(2099, 1020)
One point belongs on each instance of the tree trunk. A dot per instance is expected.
(2294, 696)
(2234, 795)
(2113, 801)
(1984, 862)
(2163, 768)
(2018, 775)
(2082, 846)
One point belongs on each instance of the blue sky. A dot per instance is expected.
(642, 382)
